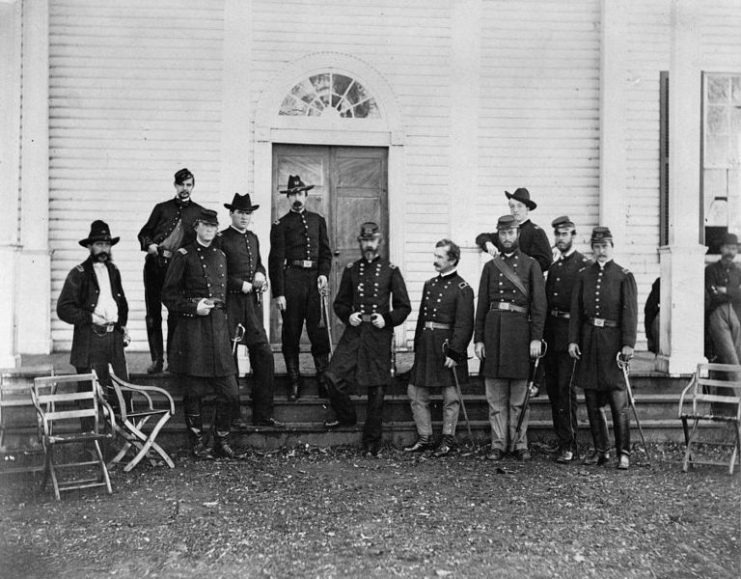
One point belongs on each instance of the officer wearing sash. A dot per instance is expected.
(509, 328)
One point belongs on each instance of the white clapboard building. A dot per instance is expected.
(415, 113)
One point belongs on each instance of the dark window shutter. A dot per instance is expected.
(664, 158)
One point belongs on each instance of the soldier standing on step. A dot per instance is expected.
(371, 300)
(559, 365)
(603, 323)
(195, 291)
(299, 263)
(444, 329)
(245, 284)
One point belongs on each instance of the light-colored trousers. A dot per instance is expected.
(506, 398)
(725, 329)
(419, 397)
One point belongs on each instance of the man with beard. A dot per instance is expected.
(93, 300)
(372, 300)
(299, 263)
(444, 329)
(723, 289)
(509, 328)
(603, 323)
(558, 364)
(200, 352)
(532, 239)
(245, 285)
(169, 227)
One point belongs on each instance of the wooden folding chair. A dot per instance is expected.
(713, 394)
(135, 409)
(61, 402)
(21, 449)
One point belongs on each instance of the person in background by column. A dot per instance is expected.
(299, 263)
(444, 329)
(169, 227)
(603, 323)
(723, 291)
(652, 316)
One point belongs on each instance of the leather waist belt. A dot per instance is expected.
(102, 329)
(602, 323)
(304, 263)
(507, 307)
(556, 313)
(166, 253)
(437, 326)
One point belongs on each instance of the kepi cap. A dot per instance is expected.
(369, 230)
(600, 233)
(507, 222)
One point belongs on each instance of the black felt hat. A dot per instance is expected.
(241, 203)
(523, 196)
(296, 185)
(99, 231)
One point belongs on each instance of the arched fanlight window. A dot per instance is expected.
(330, 95)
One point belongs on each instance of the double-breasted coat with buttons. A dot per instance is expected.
(507, 334)
(363, 354)
(533, 242)
(558, 289)
(200, 346)
(448, 300)
(607, 294)
(163, 220)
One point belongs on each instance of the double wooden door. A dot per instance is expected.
(350, 187)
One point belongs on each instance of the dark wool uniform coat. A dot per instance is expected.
(363, 354)
(77, 302)
(606, 294)
(243, 261)
(507, 334)
(165, 217)
(558, 288)
(297, 236)
(445, 300)
(532, 241)
(200, 346)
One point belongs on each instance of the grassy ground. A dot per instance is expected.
(311, 512)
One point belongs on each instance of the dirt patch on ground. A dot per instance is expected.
(311, 512)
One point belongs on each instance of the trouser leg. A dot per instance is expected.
(227, 395)
(318, 337)
(597, 420)
(562, 396)
(193, 419)
(619, 407)
(321, 362)
(419, 400)
(340, 401)
(373, 428)
(725, 331)
(517, 392)
(263, 369)
(451, 410)
(497, 395)
(153, 281)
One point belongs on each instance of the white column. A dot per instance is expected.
(10, 123)
(613, 183)
(465, 86)
(682, 264)
(34, 263)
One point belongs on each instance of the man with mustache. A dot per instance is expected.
(509, 328)
(299, 263)
(558, 364)
(93, 300)
(371, 301)
(169, 227)
(723, 303)
(245, 285)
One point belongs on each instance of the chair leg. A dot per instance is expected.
(688, 452)
(103, 468)
(736, 448)
(53, 474)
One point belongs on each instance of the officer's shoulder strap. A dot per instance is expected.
(625, 270)
(349, 265)
(79, 268)
(463, 285)
(183, 251)
(392, 266)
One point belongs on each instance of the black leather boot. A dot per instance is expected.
(198, 448)
(223, 448)
(321, 363)
(294, 379)
(423, 442)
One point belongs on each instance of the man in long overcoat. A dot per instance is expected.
(603, 323)
(245, 284)
(371, 300)
(559, 366)
(444, 330)
(195, 291)
(509, 328)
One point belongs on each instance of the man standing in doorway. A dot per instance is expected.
(603, 323)
(509, 328)
(532, 239)
(200, 352)
(444, 330)
(299, 263)
(371, 301)
(169, 227)
(723, 289)
(246, 283)
(559, 366)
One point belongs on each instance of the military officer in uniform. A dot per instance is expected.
(195, 291)
(603, 323)
(371, 300)
(245, 284)
(444, 330)
(532, 239)
(559, 366)
(299, 263)
(169, 227)
(509, 328)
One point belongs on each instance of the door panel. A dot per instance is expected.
(350, 188)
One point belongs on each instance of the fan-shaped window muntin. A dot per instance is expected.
(330, 94)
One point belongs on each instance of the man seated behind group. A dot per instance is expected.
(532, 239)
(723, 291)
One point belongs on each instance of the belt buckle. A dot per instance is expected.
(506, 306)
(365, 317)
(599, 322)
(305, 263)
